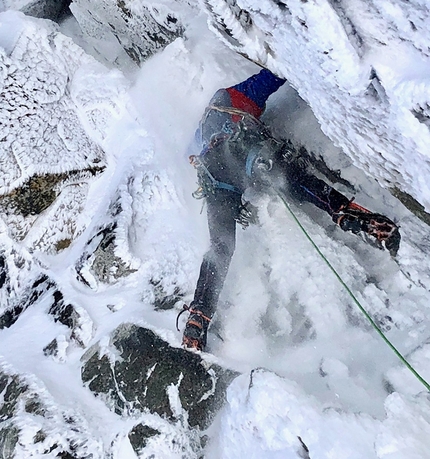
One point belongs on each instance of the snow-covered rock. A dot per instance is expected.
(138, 372)
(23, 285)
(47, 9)
(42, 131)
(47, 160)
(270, 417)
(404, 433)
(32, 425)
(141, 28)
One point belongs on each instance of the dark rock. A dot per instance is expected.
(66, 455)
(39, 192)
(33, 197)
(147, 368)
(48, 9)
(63, 313)
(3, 271)
(67, 314)
(12, 389)
(8, 439)
(39, 437)
(100, 258)
(62, 244)
(412, 204)
(41, 286)
(139, 436)
(51, 349)
(162, 301)
(304, 451)
(33, 405)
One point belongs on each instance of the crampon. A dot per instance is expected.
(196, 328)
(356, 218)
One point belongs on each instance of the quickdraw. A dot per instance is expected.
(208, 184)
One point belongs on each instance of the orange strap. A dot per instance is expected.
(191, 311)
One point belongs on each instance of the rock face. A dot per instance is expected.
(30, 423)
(30, 289)
(141, 28)
(171, 382)
(47, 159)
(370, 107)
(46, 9)
(35, 86)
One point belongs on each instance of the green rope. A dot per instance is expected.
(367, 315)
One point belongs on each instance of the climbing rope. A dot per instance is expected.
(353, 297)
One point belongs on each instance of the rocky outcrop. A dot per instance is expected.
(141, 28)
(46, 9)
(41, 129)
(31, 425)
(54, 195)
(24, 286)
(140, 372)
(99, 262)
(48, 161)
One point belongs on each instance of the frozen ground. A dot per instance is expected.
(327, 376)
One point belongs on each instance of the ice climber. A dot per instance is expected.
(238, 151)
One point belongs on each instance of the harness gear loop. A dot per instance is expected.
(207, 182)
(191, 311)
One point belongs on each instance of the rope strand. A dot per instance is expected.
(345, 286)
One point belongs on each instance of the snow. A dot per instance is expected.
(363, 68)
(36, 74)
(325, 375)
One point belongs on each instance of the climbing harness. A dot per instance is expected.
(207, 182)
(353, 297)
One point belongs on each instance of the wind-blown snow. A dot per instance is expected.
(337, 385)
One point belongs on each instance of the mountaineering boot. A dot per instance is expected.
(196, 329)
(355, 218)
